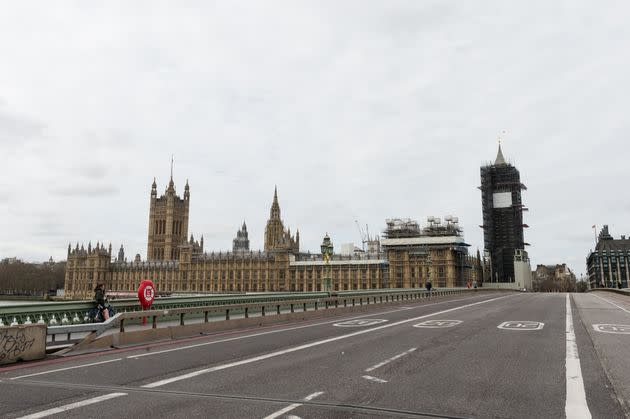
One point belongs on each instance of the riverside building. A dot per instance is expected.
(607, 265)
(177, 263)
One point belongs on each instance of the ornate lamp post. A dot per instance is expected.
(327, 252)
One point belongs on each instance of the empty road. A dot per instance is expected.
(490, 354)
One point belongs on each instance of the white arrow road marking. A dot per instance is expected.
(293, 406)
(374, 379)
(387, 361)
(71, 406)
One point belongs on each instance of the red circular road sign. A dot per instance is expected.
(146, 293)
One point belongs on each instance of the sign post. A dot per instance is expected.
(146, 295)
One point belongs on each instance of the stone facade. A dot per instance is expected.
(168, 222)
(241, 241)
(176, 264)
(608, 266)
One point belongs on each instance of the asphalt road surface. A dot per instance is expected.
(502, 355)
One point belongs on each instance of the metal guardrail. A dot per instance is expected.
(346, 300)
(67, 331)
(75, 312)
(261, 306)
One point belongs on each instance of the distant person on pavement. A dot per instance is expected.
(429, 285)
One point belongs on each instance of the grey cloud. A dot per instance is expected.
(16, 129)
(362, 111)
(86, 191)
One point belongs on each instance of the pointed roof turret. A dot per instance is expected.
(244, 228)
(500, 159)
(171, 184)
(275, 207)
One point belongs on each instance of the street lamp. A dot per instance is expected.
(327, 252)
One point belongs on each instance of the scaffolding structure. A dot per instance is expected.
(502, 216)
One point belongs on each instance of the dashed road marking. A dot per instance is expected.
(438, 324)
(618, 329)
(374, 379)
(360, 323)
(387, 361)
(293, 406)
(221, 367)
(71, 406)
(521, 325)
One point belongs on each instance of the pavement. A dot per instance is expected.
(487, 355)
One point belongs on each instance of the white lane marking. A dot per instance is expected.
(360, 323)
(283, 330)
(521, 325)
(293, 406)
(610, 302)
(71, 406)
(576, 406)
(618, 329)
(387, 361)
(438, 324)
(305, 346)
(374, 379)
(65, 369)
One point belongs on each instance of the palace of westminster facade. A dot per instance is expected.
(405, 258)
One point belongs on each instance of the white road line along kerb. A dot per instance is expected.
(71, 406)
(387, 361)
(305, 346)
(293, 406)
(197, 345)
(610, 302)
(65, 369)
(576, 406)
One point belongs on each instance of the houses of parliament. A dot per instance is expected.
(177, 263)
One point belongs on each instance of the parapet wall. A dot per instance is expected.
(22, 343)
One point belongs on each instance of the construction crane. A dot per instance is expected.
(365, 235)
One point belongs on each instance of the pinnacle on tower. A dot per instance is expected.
(275, 207)
(171, 184)
(500, 159)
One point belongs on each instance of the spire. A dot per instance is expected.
(275, 207)
(171, 184)
(500, 159)
(244, 228)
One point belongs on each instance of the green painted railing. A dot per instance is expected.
(75, 312)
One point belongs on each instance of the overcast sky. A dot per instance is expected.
(357, 110)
